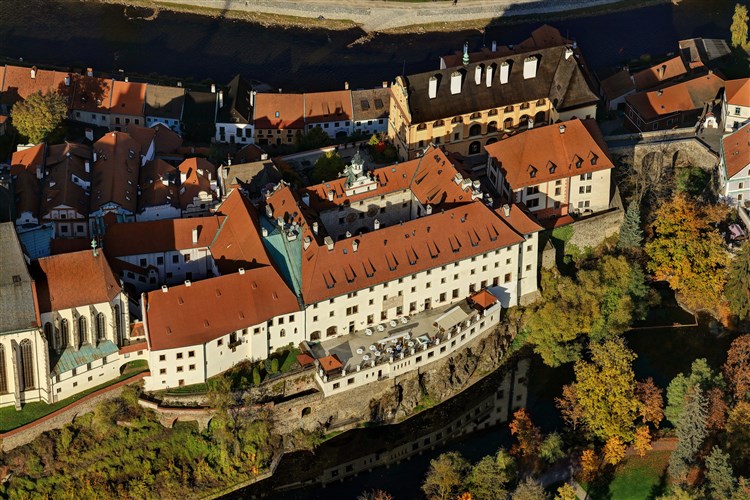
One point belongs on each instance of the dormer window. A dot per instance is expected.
(532, 171)
(552, 167)
(579, 162)
(277, 114)
(594, 158)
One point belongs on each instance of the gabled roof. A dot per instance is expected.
(737, 92)
(279, 111)
(558, 78)
(114, 176)
(659, 73)
(252, 176)
(192, 315)
(91, 94)
(321, 107)
(140, 238)
(197, 175)
(680, 97)
(158, 185)
(371, 104)
(66, 176)
(74, 280)
(518, 219)
(552, 152)
(164, 102)
(618, 84)
(248, 154)
(23, 167)
(238, 106)
(18, 305)
(736, 150)
(18, 83)
(128, 98)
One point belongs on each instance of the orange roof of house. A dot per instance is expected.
(736, 150)
(114, 177)
(91, 93)
(74, 280)
(330, 363)
(738, 92)
(18, 84)
(65, 163)
(166, 140)
(401, 250)
(330, 106)
(543, 154)
(28, 159)
(138, 238)
(305, 359)
(199, 173)
(484, 299)
(518, 219)
(23, 166)
(158, 186)
(128, 98)
(655, 75)
(684, 96)
(279, 111)
(192, 315)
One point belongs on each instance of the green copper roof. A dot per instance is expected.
(286, 254)
(70, 358)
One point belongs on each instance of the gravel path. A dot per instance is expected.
(378, 16)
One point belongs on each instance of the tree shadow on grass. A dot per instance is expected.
(599, 488)
(659, 488)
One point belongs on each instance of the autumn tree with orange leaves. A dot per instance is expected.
(737, 367)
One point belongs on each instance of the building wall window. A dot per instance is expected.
(27, 365)
(64, 333)
(83, 331)
(3, 372)
(101, 330)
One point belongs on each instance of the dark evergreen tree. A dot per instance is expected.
(719, 474)
(737, 289)
(691, 431)
(631, 235)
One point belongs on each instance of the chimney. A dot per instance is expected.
(252, 98)
(195, 235)
(179, 84)
(187, 283)
(89, 71)
(126, 79)
(428, 210)
(530, 123)
(241, 270)
(529, 67)
(33, 72)
(315, 227)
(504, 72)
(183, 177)
(264, 156)
(385, 85)
(568, 53)
(489, 74)
(213, 88)
(466, 53)
(87, 166)
(330, 195)
(659, 92)
(562, 129)
(280, 222)
(455, 82)
(355, 245)
(329, 243)
(348, 234)
(164, 289)
(346, 85)
(494, 46)
(221, 98)
(478, 74)
(432, 86)
(67, 80)
(306, 242)
(506, 210)
(660, 71)
(264, 231)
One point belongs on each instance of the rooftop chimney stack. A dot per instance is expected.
(428, 209)
(456, 82)
(494, 46)
(67, 80)
(329, 243)
(660, 71)
(530, 123)
(89, 71)
(506, 210)
(478, 74)
(195, 235)
(33, 72)
(306, 243)
(346, 85)
(562, 129)
(315, 227)
(432, 87)
(385, 85)
(529, 67)
(213, 88)
(355, 245)
(269, 211)
(376, 224)
(241, 270)
(504, 72)
(348, 234)
(489, 74)
(221, 99)
(330, 195)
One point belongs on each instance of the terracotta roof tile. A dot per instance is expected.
(192, 315)
(279, 111)
(197, 175)
(128, 98)
(23, 166)
(618, 84)
(330, 106)
(679, 97)
(91, 94)
(659, 73)
(330, 363)
(18, 83)
(66, 175)
(544, 153)
(736, 150)
(371, 104)
(484, 299)
(518, 219)
(158, 185)
(738, 92)
(136, 238)
(238, 244)
(115, 172)
(74, 280)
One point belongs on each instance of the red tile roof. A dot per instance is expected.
(548, 154)
(28, 160)
(158, 186)
(279, 111)
(91, 94)
(137, 238)
(736, 150)
(18, 83)
(24, 165)
(738, 92)
(484, 299)
(330, 363)
(238, 244)
(128, 98)
(193, 315)
(659, 73)
(518, 219)
(114, 176)
(66, 171)
(618, 84)
(305, 359)
(680, 97)
(197, 174)
(330, 106)
(74, 280)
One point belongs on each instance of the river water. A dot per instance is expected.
(75, 33)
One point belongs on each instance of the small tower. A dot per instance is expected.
(466, 53)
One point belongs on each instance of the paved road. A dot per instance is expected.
(378, 16)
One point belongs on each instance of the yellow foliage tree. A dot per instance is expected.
(614, 450)
(566, 492)
(642, 442)
(589, 464)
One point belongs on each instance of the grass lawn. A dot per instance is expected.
(636, 479)
(201, 388)
(11, 419)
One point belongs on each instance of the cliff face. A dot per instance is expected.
(391, 400)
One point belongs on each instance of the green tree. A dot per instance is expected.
(274, 365)
(327, 167)
(688, 252)
(487, 481)
(719, 474)
(605, 390)
(701, 375)
(551, 449)
(256, 375)
(631, 235)
(315, 138)
(691, 431)
(739, 26)
(39, 115)
(529, 489)
(737, 290)
(445, 475)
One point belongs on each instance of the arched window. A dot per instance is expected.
(475, 116)
(315, 335)
(118, 325)
(524, 121)
(64, 334)
(27, 365)
(83, 330)
(475, 147)
(3, 372)
(508, 123)
(331, 331)
(475, 129)
(492, 112)
(539, 118)
(492, 127)
(509, 109)
(422, 126)
(438, 123)
(457, 119)
(101, 330)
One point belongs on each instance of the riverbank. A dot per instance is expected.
(381, 17)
